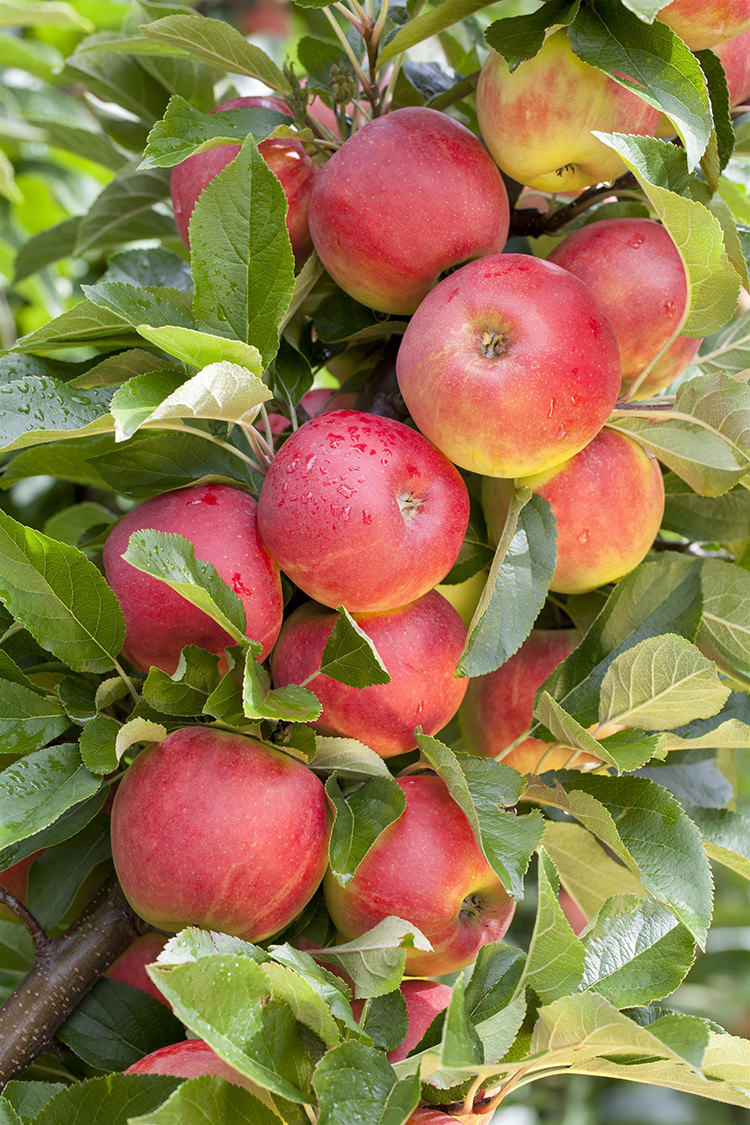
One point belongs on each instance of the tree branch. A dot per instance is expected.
(534, 223)
(41, 942)
(64, 971)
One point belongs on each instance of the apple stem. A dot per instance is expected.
(42, 943)
(529, 221)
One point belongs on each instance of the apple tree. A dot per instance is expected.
(374, 552)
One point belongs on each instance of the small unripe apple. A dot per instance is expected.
(285, 157)
(130, 966)
(426, 867)
(362, 511)
(537, 120)
(635, 271)
(216, 830)
(220, 522)
(509, 366)
(608, 502)
(704, 23)
(405, 198)
(419, 644)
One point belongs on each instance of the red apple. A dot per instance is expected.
(735, 58)
(190, 1059)
(428, 1116)
(409, 195)
(362, 511)
(704, 23)
(426, 867)
(130, 966)
(320, 400)
(635, 271)
(509, 366)
(425, 999)
(577, 920)
(608, 501)
(216, 830)
(285, 157)
(221, 524)
(419, 644)
(537, 121)
(16, 880)
(498, 707)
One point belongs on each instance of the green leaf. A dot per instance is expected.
(496, 1016)
(360, 818)
(124, 212)
(58, 874)
(29, 1098)
(59, 411)
(142, 304)
(201, 1100)
(555, 963)
(111, 1100)
(713, 283)
(385, 1019)
(85, 323)
(704, 519)
(329, 986)
(8, 1115)
(39, 788)
(356, 1085)
(636, 952)
(587, 872)
(570, 733)
(171, 559)
(241, 256)
(70, 525)
(28, 720)
(728, 351)
(289, 704)
(650, 61)
(460, 1045)
(659, 684)
(724, 633)
(184, 130)
(479, 786)
(137, 730)
(516, 588)
(46, 247)
(64, 827)
(518, 38)
(42, 13)
(120, 80)
(350, 656)
(199, 349)
(115, 1025)
(97, 744)
(351, 760)
(429, 23)
(720, 107)
(184, 692)
(726, 836)
(375, 960)
(56, 593)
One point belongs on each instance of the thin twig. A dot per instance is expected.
(528, 221)
(42, 944)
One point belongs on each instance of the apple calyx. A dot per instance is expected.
(409, 504)
(472, 908)
(493, 344)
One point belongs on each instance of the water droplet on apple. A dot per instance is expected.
(636, 241)
(583, 536)
(551, 410)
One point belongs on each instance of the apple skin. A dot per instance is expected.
(409, 195)
(608, 501)
(16, 880)
(320, 400)
(425, 999)
(220, 522)
(704, 23)
(420, 645)
(213, 829)
(498, 707)
(735, 58)
(130, 966)
(537, 121)
(427, 1116)
(577, 920)
(190, 1059)
(362, 511)
(285, 157)
(426, 867)
(635, 271)
(534, 399)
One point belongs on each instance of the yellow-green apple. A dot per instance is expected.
(130, 966)
(425, 999)
(285, 157)
(735, 58)
(426, 867)
(509, 366)
(419, 644)
(608, 501)
(216, 830)
(220, 522)
(537, 120)
(409, 195)
(362, 511)
(635, 271)
(704, 23)
(498, 707)
(577, 920)
(192, 1058)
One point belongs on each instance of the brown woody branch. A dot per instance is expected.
(535, 223)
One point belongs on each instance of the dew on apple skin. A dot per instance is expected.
(636, 241)
(669, 308)
(551, 410)
(583, 535)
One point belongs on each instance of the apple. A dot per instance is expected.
(419, 644)
(735, 58)
(635, 271)
(608, 501)
(509, 366)
(425, 999)
(498, 707)
(577, 920)
(704, 23)
(408, 196)
(426, 867)
(216, 830)
(428, 1116)
(16, 880)
(130, 966)
(362, 511)
(464, 596)
(285, 157)
(220, 522)
(537, 121)
(190, 1059)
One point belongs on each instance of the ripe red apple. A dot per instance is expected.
(635, 271)
(704, 23)
(419, 644)
(509, 366)
(362, 511)
(409, 195)
(735, 58)
(320, 400)
(428, 1116)
(426, 867)
(537, 121)
(216, 830)
(190, 1059)
(130, 966)
(221, 524)
(16, 880)
(285, 157)
(577, 920)
(608, 501)
(498, 707)
(425, 999)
